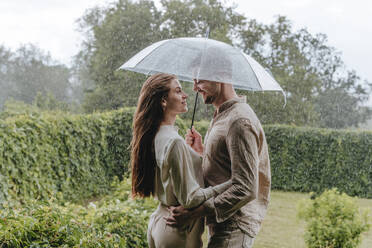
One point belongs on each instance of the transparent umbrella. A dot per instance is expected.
(203, 59)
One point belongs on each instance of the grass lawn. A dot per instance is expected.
(282, 229)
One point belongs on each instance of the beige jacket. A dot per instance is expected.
(236, 149)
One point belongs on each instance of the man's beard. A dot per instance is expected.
(209, 99)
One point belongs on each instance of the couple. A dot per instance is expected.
(227, 180)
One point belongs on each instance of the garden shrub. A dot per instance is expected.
(333, 221)
(114, 221)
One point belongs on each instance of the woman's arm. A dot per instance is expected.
(185, 187)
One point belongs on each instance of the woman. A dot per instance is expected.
(164, 166)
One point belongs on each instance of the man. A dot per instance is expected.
(234, 148)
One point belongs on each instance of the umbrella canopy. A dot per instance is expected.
(203, 59)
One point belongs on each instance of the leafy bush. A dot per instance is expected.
(333, 221)
(114, 221)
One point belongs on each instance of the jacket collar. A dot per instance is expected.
(229, 103)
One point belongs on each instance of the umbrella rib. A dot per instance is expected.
(255, 75)
(163, 42)
(285, 97)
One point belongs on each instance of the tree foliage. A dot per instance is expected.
(315, 80)
(29, 71)
(320, 91)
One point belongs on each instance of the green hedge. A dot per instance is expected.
(68, 157)
(74, 157)
(313, 159)
(309, 159)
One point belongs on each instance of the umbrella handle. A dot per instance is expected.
(193, 114)
(197, 93)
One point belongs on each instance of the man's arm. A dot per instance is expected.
(180, 215)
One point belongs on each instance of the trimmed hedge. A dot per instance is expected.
(310, 159)
(75, 157)
(68, 157)
(313, 159)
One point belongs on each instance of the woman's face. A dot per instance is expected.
(176, 101)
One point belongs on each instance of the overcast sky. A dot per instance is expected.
(50, 24)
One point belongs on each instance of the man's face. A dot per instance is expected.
(208, 89)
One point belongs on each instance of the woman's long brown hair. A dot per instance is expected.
(146, 123)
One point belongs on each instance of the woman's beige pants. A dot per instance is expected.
(160, 235)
